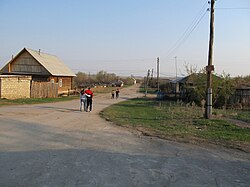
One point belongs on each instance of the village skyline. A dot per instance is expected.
(126, 37)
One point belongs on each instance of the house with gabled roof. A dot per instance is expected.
(42, 67)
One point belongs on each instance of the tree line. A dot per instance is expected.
(100, 78)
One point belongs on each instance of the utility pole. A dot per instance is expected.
(210, 67)
(147, 80)
(150, 80)
(175, 67)
(158, 72)
(176, 84)
(152, 73)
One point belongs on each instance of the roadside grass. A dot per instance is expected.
(243, 116)
(35, 100)
(170, 120)
(149, 91)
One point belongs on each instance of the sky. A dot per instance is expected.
(125, 37)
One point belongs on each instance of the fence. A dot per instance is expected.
(241, 98)
(43, 90)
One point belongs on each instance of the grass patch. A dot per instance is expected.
(35, 100)
(173, 121)
(243, 116)
(149, 91)
(221, 130)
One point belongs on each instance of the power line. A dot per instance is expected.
(186, 36)
(189, 30)
(234, 8)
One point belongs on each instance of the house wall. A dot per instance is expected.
(14, 87)
(64, 83)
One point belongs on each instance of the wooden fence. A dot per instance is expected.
(241, 98)
(43, 90)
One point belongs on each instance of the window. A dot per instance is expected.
(60, 82)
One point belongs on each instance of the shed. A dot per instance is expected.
(42, 67)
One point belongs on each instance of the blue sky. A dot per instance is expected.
(126, 36)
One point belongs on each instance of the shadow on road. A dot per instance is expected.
(58, 109)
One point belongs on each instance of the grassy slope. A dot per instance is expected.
(170, 121)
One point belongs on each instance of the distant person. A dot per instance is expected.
(89, 96)
(82, 100)
(117, 93)
(112, 94)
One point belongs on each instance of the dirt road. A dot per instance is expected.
(57, 145)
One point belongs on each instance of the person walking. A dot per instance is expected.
(82, 100)
(112, 94)
(89, 95)
(117, 93)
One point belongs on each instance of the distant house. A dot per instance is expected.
(190, 82)
(41, 67)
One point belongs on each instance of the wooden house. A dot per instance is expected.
(41, 67)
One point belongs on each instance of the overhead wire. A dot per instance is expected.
(233, 8)
(178, 43)
(189, 30)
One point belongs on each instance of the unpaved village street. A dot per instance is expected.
(57, 145)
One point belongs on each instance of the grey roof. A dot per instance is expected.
(174, 80)
(51, 63)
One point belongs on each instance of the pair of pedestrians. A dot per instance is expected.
(115, 94)
(86, 98)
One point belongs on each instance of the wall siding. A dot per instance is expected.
(26, 64)
(66, 83)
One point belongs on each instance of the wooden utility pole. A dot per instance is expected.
(147, 80)
(210, 67)
(176, 82)
(158, 72)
